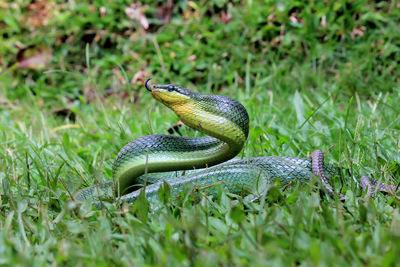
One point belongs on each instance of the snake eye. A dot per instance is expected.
(171, 88)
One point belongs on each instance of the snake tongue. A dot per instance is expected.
(145, 84)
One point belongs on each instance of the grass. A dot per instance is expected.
(311, 75)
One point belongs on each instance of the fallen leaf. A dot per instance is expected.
(140, 76)
(103, 11)
(38, 13)
(135, 12)
(323, 21)
(225, 17)
(165, 11)
(90, 93)
(34, 58)
(358, 32)
(271, 17)
(191, 14)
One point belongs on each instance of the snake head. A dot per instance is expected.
(169, 94)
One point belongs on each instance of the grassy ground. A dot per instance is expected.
(311, 75)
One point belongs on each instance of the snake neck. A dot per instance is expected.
(218, 116)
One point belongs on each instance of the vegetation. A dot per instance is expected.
(311, 74)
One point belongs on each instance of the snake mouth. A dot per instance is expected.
(161, 87)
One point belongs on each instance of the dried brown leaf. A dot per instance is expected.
(34, 58)
(90, 93)
(323, 21)
(358, 32)
(135, 12)
(103, 11)
(225, 17)
(165, 11)
(271, 17)
(38, 13)
(140, 77)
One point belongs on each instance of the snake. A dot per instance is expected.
(207, 162)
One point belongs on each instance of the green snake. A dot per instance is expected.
(202, 163)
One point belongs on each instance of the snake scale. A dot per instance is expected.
(203, 162)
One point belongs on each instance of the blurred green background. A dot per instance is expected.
(279, 45)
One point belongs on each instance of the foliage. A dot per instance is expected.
(311, 74)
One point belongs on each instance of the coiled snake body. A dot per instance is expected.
(207, 160)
